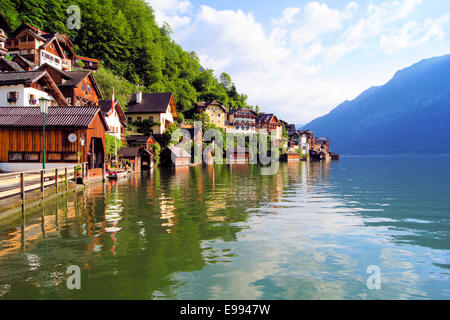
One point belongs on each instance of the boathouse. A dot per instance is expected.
(175, 157)
(73, 135)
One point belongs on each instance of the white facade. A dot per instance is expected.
(51, 59)
(114, 124)
(25, 95)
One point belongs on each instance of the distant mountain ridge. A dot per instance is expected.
(410, 113)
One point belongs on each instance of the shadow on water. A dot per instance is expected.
(186, 233)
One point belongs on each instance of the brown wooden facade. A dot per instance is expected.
(25, 145)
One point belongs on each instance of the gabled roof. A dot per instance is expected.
(11, 64)
(129, 152)
(11, 78)
(140, 139)
(106, 107)
(76, 77)
(87, 59)
(57, 117)
(267, 118)
(27, 62)
(212, 103)
(152, 103)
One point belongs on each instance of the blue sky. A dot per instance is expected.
(300, 59)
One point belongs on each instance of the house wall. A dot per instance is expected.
(217, 115)
(24, 96)
(157, 117)
(90, 95)
(114, 124)
(55, 60)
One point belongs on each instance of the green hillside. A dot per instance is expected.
(123, 34)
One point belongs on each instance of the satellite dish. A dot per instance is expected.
(73, 137)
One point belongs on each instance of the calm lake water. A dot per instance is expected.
(309, 232)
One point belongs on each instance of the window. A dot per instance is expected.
(130, 120)
(15, 156)
(33, 100)
(139, 119)
(72, 157)
(13, 96)
(24, 156)
(151, 119)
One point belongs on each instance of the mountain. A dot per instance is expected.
(410, 113)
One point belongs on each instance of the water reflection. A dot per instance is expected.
(227, 232)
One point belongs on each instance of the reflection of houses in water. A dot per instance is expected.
(167, 210)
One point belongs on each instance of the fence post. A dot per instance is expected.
(75, 175)
(103, 173)
(67, 179)
(22, 190)
(56, 180)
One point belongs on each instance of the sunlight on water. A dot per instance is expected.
(309, 232)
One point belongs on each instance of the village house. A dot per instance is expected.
(242, 120)
(88, 63)
(142, 142)
(175, 157)
(81, 89)
(115, 118)
(73, 135)
(216, 112)
(158, 108)
(26, 88)
(269, 123)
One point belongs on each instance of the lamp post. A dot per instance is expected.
(43, 105)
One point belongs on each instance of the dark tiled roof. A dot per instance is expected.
(151, 103)
(14, 66)
(30, 117)
(266, 117)
(129, 152)
(105, 105)
(137, 138)
(20, 77)
(26, 61)
(75, 78)
(242, 110)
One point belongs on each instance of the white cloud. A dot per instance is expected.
(173, 12)
(283, 66)
(412, 34)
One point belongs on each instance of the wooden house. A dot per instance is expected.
(26, 88)
(39, 47)
(143, 142)
(81, 89)
(269, 123)
(215, 110)
(291, 156)
(73, 135)
(158, 108)
(175, 157)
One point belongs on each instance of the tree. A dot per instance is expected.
(110, 147)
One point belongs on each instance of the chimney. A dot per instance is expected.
(139, 97)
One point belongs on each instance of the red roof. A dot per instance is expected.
(88, 59)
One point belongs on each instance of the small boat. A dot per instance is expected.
(114, 175)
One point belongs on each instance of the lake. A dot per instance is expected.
(227, 232)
